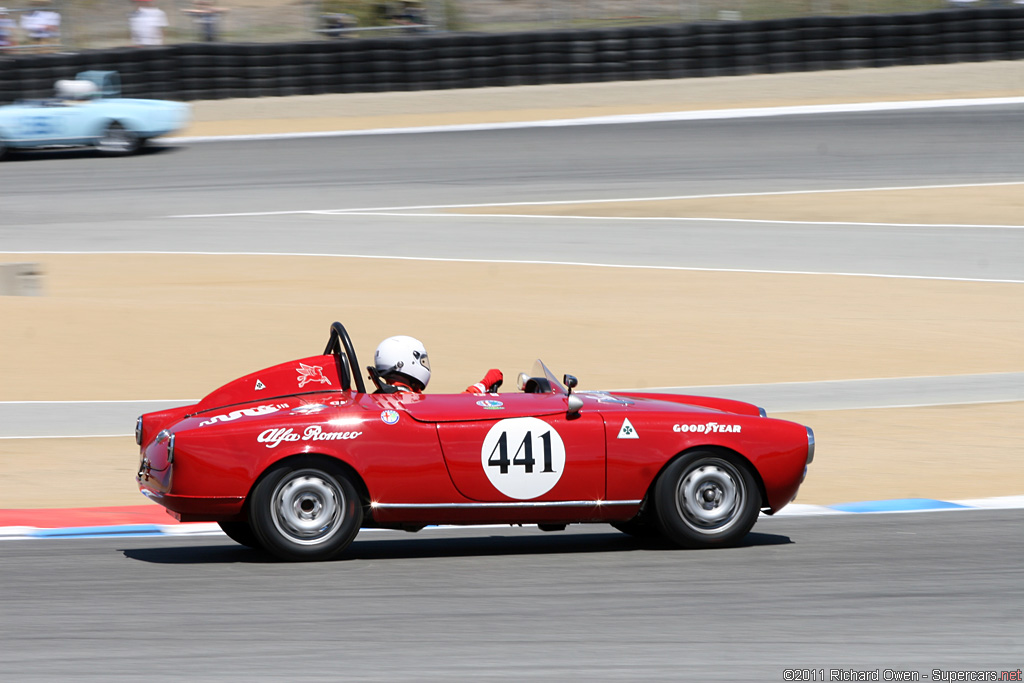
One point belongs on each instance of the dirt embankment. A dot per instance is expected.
(360, 111)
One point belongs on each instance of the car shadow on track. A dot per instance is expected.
(25, 155)
(426, 547)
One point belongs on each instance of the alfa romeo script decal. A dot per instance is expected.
(250, 412)
(523, 457)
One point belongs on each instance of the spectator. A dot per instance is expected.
(42, 26)
(381, 14)
(7, 27)
(415, 13)
(147, 24)
(207, 18)
(338, 25)
(411, 15)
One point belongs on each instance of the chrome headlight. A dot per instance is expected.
(138, 431)
(170, 451)
(810, 445)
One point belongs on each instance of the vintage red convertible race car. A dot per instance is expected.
(296, 458)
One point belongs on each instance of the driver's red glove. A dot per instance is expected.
(492, 377)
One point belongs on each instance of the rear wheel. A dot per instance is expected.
(706, 499)
(118, 141)
(303, 511)
(241, 533)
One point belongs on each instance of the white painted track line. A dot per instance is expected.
(94, 419)
(577, 264)
(569, 202)
(660, 117)
(681, 219)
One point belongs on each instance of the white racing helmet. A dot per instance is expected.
(405, 357)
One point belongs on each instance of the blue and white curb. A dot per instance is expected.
(898, 505)
(903, 505)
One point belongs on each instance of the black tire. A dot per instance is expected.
(706, 499)
(241, 533)
(305, 511)
(117, 140)
(638, 528)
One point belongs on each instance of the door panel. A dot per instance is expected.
(545, 458)
(44, 123)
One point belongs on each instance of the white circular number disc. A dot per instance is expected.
(523, 457)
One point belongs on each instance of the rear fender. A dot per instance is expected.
(227, 458)
(316, 460)
(153, 423)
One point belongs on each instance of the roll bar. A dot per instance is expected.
(340, 344)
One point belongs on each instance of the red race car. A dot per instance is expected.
(296, 458)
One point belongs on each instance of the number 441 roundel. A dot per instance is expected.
(524, 457)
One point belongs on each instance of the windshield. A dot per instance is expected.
(541, 370)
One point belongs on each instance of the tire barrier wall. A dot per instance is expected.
(458, 60)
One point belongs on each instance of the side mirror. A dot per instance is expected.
(575, 402)
(521, 380)
(575, 405)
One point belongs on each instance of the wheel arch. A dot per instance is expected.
(101, 124)
(329, 462)
(710, 448)
(129, 123)
(126, 142)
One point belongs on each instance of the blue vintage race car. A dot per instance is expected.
(88, 111)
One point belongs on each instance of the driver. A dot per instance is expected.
(402, 361)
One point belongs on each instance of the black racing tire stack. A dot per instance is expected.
(424, 61)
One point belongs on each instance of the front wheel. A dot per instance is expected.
(305, 512)
(118, 141)
(705, 499)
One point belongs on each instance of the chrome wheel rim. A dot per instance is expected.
(116, 139)
(308, 508)
(710, 496)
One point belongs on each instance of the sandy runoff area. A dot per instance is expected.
(863, 327)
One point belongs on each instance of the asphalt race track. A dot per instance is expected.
(129, 206)
(906, 592)
(903, 592)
